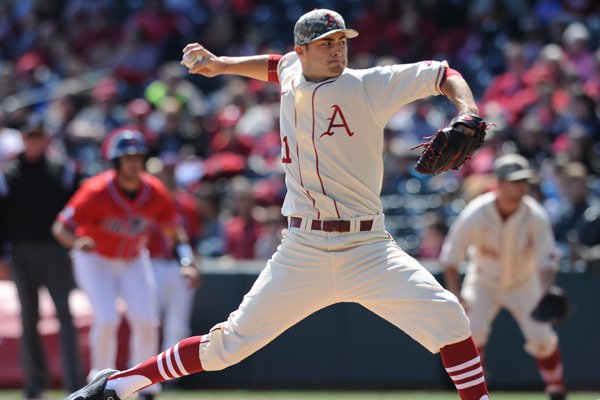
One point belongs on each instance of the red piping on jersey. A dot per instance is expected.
(116, 195)
(298, 156)
(315, 145)
(122, 202)
(272, 67)
(336, 208)
(437, 78)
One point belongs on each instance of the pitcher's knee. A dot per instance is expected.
(449, 324)
(457, 322)
(222, 347)
(452, 309)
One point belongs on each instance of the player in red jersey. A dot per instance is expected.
(106, 224)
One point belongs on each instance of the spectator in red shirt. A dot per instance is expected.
(242, 230)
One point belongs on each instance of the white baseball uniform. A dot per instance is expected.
(336, 248)
(505, 261)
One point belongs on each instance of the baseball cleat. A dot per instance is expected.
(557, 396)
(96, 389)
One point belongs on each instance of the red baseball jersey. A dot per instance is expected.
(119, 225)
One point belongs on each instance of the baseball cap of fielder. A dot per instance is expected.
(317, 24)
(512, 167)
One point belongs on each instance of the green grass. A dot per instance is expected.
(321, 395)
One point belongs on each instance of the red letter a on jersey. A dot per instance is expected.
(337, 110)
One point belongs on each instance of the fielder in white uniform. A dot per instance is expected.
(508, 240)
(336, 248)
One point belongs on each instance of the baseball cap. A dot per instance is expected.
(317, 24)
(512, 167)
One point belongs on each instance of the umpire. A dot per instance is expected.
(33, 189)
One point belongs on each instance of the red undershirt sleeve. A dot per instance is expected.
(272, 67)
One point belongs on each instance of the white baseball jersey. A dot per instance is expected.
(332, 145)
(506, 257)
(321, 123)
(504, 253)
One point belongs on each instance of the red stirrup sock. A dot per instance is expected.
(551, 370)
(177, 361)
(463, 364)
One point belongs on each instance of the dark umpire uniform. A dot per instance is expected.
(33, 190)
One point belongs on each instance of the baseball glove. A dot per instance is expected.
(450, 147)
(553, 307)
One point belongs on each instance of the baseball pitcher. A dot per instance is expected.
(336, 248)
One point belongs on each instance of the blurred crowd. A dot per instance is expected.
(85, 69)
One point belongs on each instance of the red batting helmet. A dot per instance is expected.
(127, 141)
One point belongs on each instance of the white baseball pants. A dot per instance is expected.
(484, 301)
(104, 280)
(312, 270)
(175, 301)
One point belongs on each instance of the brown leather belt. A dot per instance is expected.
(335, 225)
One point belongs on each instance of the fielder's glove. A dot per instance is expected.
(449, 148)
(554, 306)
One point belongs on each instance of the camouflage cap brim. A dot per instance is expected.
(350, 33)
(318, 24)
